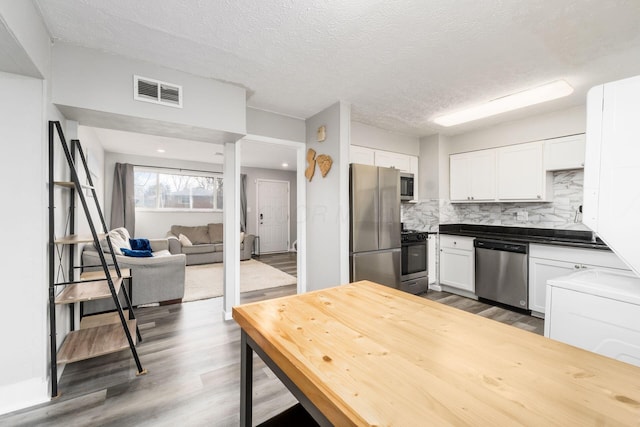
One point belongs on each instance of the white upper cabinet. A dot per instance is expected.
(564, 153)
(521, 175)
(387, 159)
(612, 168)
(361, 155)
(472, 176)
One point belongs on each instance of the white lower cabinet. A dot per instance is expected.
(550, 262)
(457, 263)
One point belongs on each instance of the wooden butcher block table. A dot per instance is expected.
(368, 355)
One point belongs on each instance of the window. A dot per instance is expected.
(156, 189)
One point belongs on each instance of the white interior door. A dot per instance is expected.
(273, 215)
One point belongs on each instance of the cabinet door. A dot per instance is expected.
(361, 155)
(387, 159)
(457, 269)
(541, 270)
(612, 171)
(459, 178)
(483, 175)
(472, 176)
(564, 153)
(520, 172)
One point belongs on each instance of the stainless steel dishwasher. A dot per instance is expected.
(502, 272)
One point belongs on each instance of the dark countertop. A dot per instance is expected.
(544, 236)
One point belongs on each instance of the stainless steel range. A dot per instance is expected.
(415, 278)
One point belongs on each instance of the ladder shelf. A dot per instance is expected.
(99, 334)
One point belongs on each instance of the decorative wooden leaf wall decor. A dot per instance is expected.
(324, 163)
(311, 161)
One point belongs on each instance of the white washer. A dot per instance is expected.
(597, 310)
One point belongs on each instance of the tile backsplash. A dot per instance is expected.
(561, 213)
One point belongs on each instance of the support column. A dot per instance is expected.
(231, 227)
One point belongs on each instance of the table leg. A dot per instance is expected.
(246, 381)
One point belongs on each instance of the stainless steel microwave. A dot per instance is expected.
(406, 186)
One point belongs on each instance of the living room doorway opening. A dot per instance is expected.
(272, 216)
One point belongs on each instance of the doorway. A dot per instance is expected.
(272, 216)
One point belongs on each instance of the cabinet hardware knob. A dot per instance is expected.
(539, 196)
(577, 266)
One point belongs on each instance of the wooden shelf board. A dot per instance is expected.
(87, 291)
(96, 320)
(99, 274)
(70, 184)
(74, 239)
(87, 343)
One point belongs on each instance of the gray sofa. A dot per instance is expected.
(206, 244)
(155, 279)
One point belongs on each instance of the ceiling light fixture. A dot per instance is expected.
(285, 165)
(160, 150)
(539, 94)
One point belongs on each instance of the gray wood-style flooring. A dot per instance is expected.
(285, 261)
(193, 362)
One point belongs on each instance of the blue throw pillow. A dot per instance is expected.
(140, 244)
(136, 253)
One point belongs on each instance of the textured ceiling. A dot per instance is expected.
(398, 63)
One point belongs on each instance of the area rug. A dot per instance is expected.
(205, 281)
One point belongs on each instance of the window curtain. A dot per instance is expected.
(243, 202)
(123, 203)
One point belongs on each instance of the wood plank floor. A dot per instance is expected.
(193, 357)
(285, 261)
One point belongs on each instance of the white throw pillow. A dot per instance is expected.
(117, 242)
(241, 237)
(184, 240)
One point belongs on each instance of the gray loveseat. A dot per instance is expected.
(203, 244)
(156, 279)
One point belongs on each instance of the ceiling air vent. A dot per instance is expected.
(157, 92)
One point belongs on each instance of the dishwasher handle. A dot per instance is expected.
(495, 245)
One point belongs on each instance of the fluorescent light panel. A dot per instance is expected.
(550, 91)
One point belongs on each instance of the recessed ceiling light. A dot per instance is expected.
(539, 94)
(160, 150)
(285, 165)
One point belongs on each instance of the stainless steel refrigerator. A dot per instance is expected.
(374, 244)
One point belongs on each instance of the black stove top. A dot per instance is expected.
(413, 236)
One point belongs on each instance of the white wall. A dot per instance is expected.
(94, 153)
(253, 174)
(428, 167)
(25, 108)
(328, 201)
(266, 123)
(380, 139)
(27, 31)
(90, 80)
(535, 128)
(23, 366)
